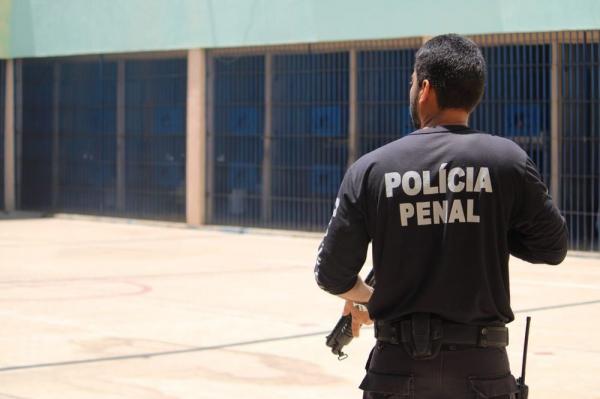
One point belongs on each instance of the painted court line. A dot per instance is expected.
(557, 284)
(231, 345)
(8, 396)
(163, 353)
(552, 307)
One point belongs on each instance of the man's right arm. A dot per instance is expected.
(539, 232)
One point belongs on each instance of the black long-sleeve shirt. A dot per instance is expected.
(444, 207)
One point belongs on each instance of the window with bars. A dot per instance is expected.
(84, 142)
(37, 131)
(516, 101)
(74, 126)
(2, 99)
(310, 137)
(383, 99)
(155, 144)
(308, 102)
(279, 128)
(580, 142)
(237, 136)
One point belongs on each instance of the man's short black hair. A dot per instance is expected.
(455, 68)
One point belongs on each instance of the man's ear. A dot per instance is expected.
(425, 91)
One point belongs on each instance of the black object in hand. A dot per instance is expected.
(341, 335)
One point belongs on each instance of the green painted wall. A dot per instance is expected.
(35, 28)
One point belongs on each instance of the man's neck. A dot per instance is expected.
(448, 116)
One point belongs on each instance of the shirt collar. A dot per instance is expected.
(459, 129)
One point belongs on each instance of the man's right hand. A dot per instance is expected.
(359, 317)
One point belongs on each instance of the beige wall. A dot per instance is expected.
(196, 138)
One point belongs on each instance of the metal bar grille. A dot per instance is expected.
(308, 143)
(310, 137)
(83, 137)
(238, 140)
(580, 166)
(2, 105)
(280, 124)
(36, 130)
(155, 92)
(383, 87)
(69, 159)
(307, 139)
(516, 103)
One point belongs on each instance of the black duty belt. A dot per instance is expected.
(423, 335)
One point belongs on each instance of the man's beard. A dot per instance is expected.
(414, 112)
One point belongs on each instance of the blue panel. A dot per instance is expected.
(169, 120)
(383, 105)
(36, 158)
(310, 130)
(580, 146)
(238, 140)
(243, 176)
(243, 121)
(326, 121)
(325, 179)
(516, 101)
(87, 137)
(2, 93)
(83, 151)
(155, 117)
(523, 120)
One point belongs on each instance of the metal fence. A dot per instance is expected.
(383, 104)
(36, 135)
(2, 93)
(237, 137)
(280, 144)
(106, 135)
(103, 137)
(155, 113)
(309, 139)
(83, 138)
(580, 137)
(516, 103)
(312, 111)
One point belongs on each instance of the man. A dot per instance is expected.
(443, 207)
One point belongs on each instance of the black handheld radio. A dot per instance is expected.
(524, 389)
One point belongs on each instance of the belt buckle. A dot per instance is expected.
(486, 334)
(482, 340)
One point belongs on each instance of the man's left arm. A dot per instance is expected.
(343, 250)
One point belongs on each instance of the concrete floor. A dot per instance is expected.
(114, 310)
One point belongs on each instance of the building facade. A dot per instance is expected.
(250, 130)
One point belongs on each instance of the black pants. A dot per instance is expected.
(456, 373)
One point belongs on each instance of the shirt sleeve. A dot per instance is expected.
(343, 250)
(539, 232)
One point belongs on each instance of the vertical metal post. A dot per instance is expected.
(353, 139)
(9, 139)
(210, 137)
(196, 137)
(267, 163)
(556, 121)
(121, 155)
(18, 128)
(55, 134)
